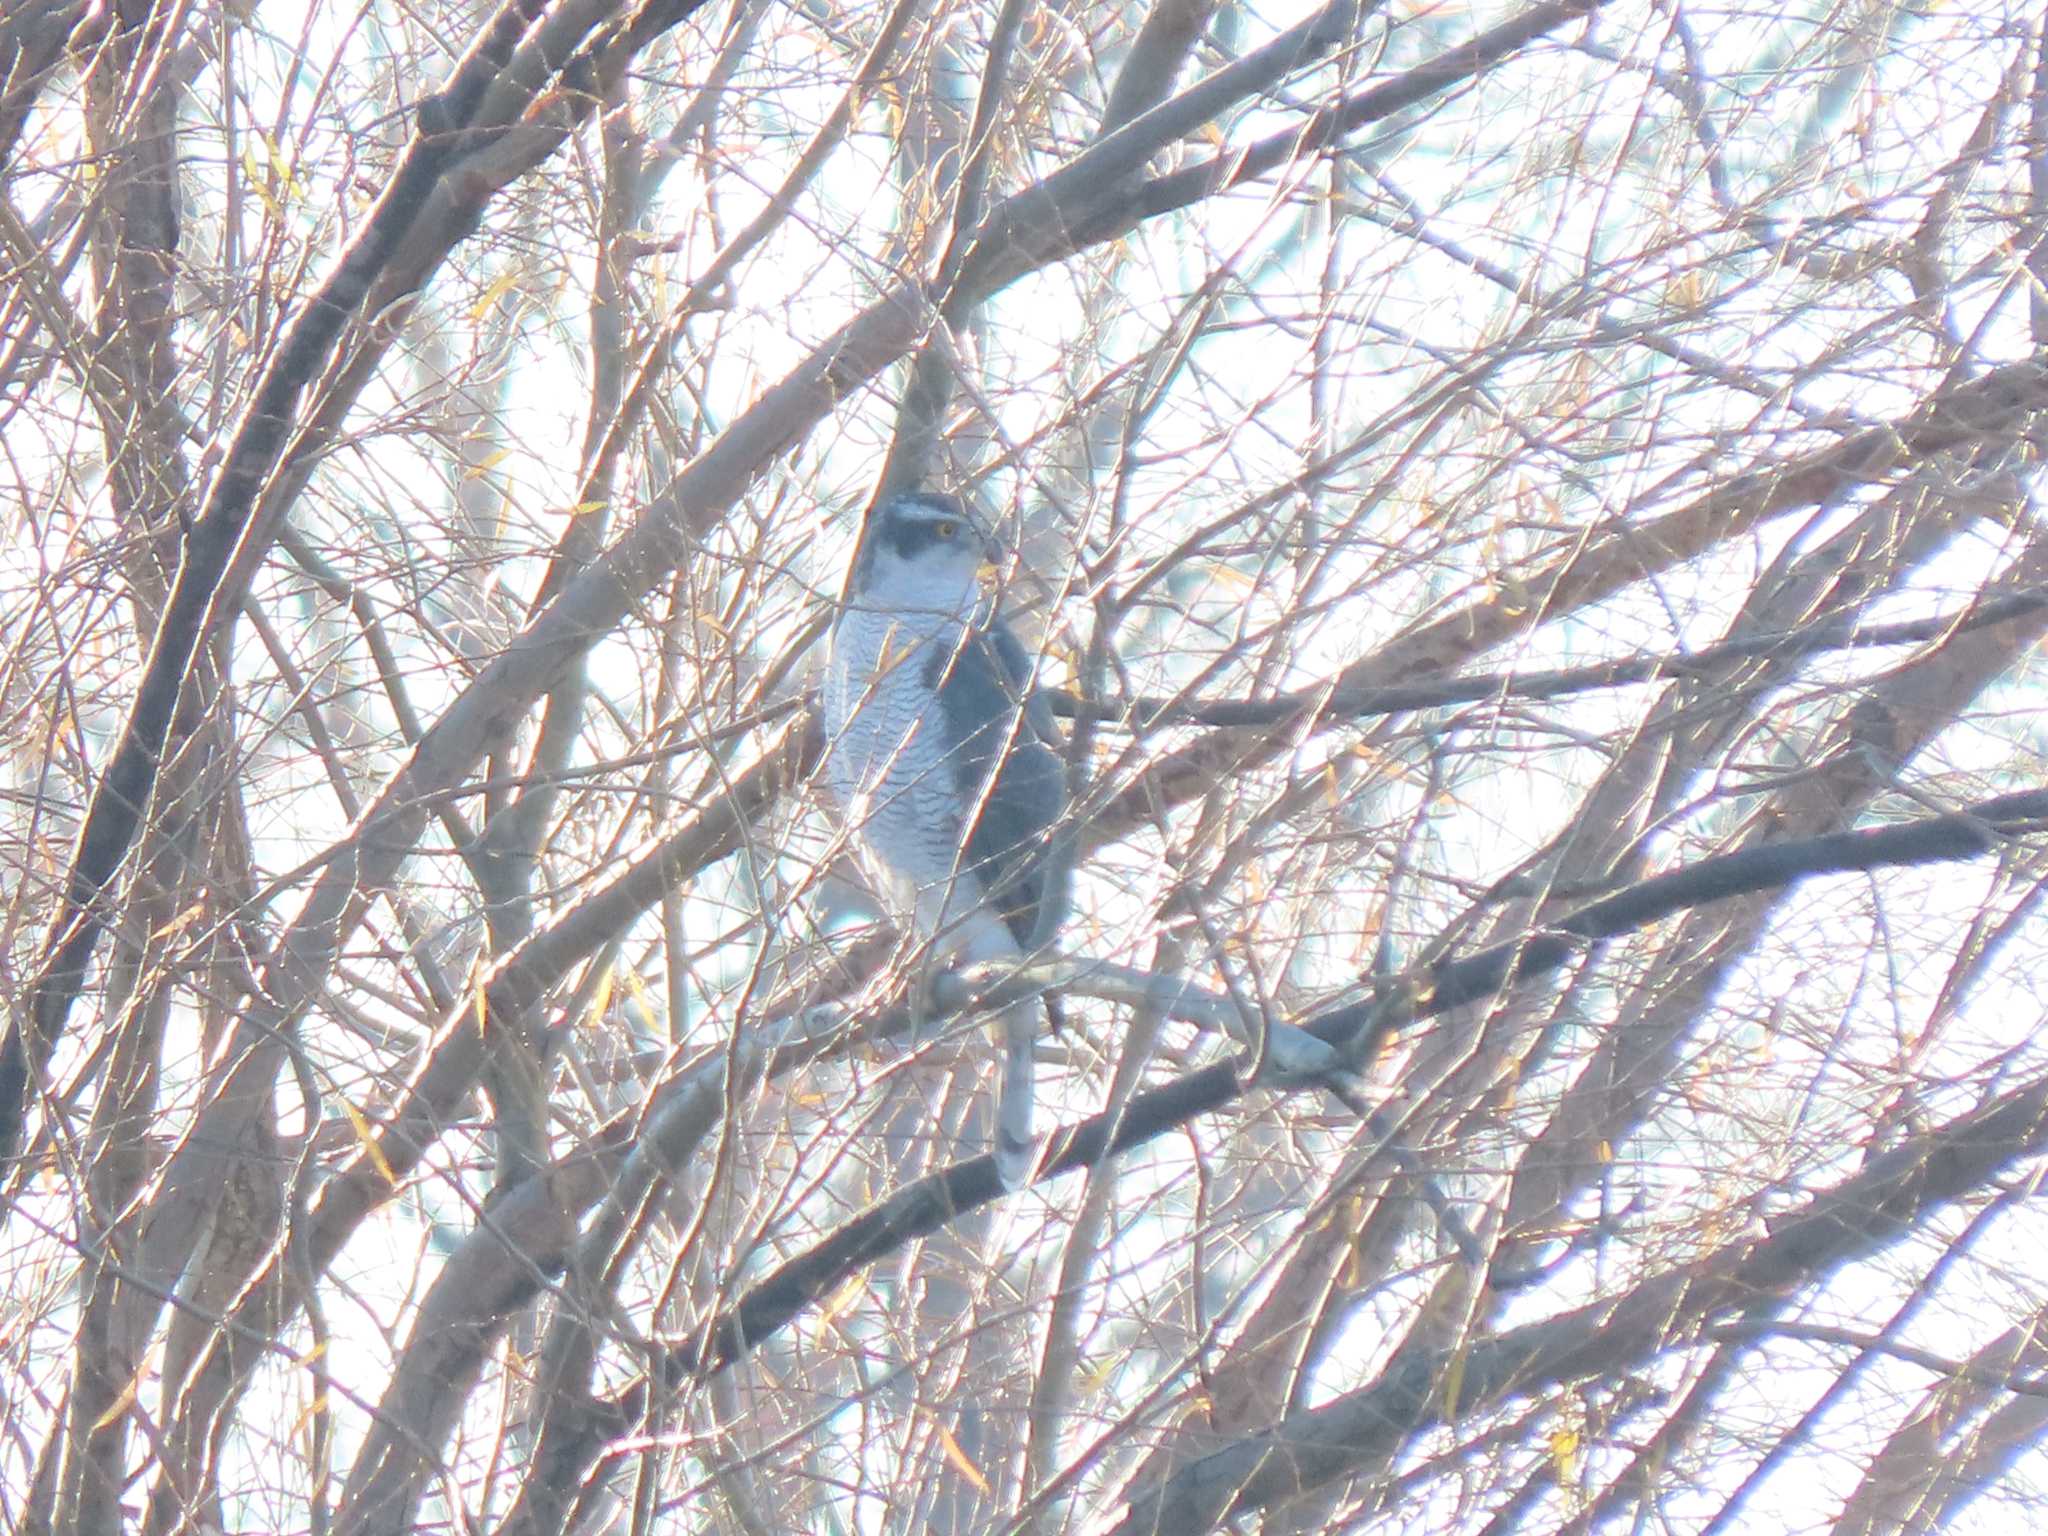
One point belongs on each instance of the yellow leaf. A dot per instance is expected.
(958, 1457)
(252, 173)
(488, 462)
(126, 1400)
(600, 1000)
(492, 294)
(1353, 1274)
(287, 180)
(1097, 1377)
(641, 998)
(318, 1405)
(312, 1354)
(371, 1150)
(1564, 1452)
(1454, 1383)
(836, 1305)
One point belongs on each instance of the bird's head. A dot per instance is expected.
(922, 550)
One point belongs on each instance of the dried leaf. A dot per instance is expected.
(498, 289)
(368, 1139)
(600, 1000)
(1564, 1453)
(316, 1406)
(1096, 1377)
(836, 1305)
(1454, 1383)
(122, 1403)
(958, 1457)
(637, 990)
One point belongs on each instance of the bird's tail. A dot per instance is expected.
(1017, 1150)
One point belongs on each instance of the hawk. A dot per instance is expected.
(944, 764)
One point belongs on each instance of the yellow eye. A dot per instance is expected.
(945, 530)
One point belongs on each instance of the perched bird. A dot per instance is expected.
(943, 763)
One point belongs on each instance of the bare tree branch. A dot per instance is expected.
(1358, 1030)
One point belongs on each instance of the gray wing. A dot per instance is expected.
(984, 690)
(1016, 667)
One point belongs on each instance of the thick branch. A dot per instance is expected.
(1171, 30)
(1358, 701)
(1233, 168)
